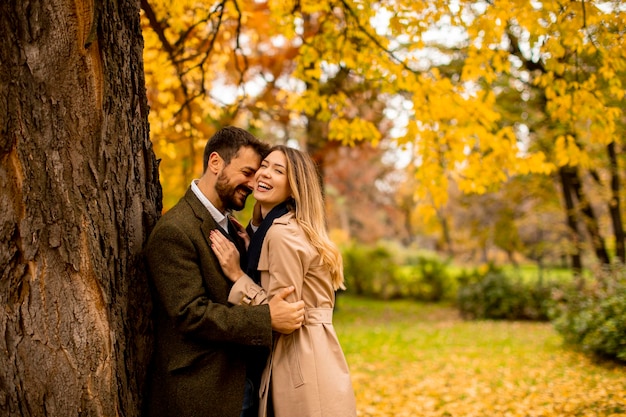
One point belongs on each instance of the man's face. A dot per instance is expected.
(236, 180)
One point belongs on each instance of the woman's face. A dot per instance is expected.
(271, 182)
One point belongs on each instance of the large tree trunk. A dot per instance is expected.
(78, 194)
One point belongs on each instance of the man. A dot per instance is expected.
(205, 348)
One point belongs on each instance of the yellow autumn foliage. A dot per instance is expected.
(258, 63)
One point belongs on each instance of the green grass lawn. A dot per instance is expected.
(411, 359)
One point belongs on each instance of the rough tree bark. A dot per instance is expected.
(79, 193)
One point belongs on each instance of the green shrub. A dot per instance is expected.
(498, 296)
(389, 271)
(427, 279)
(592, 314)
(369, 270)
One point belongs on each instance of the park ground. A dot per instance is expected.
(411, 359)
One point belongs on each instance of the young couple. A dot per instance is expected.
(243, 326)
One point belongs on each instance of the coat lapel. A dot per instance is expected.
(209, 224)
(201, 212)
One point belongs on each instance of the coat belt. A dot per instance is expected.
(318, 316)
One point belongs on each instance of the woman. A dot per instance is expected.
(306, 374)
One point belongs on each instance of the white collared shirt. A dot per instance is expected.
(218, 216)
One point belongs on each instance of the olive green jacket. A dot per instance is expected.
(202, 343)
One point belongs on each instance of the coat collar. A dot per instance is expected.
(286, 218)
(197, 207)
(208, 222)
(201, 213)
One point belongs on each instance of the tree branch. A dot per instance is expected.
(515, 50)
(156, 26)
(374, 40)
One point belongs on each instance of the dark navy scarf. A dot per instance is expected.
(254, 249)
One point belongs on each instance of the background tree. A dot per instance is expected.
(360, 190)
(78, 194)
(479, 93)
(540, 63)
(210, 64)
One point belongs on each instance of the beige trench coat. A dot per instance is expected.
(307, 372)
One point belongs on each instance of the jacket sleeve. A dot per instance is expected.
(194, 292)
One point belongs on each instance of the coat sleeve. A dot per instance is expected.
(247, 292)
(194, 293)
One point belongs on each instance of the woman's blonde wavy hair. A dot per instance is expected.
(304, 180)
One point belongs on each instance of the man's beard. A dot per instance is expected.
(229, 194)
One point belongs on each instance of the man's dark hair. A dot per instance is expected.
(228, 140)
